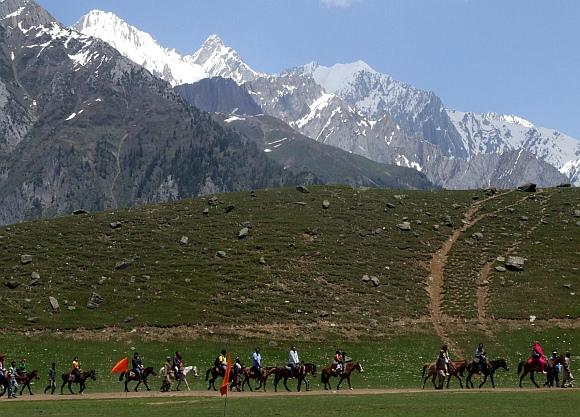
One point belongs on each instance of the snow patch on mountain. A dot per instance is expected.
(141, 48)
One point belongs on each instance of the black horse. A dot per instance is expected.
(70, 379)
(301, 373)
(486, 371)
(132, 376)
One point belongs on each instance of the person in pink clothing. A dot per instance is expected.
(538, 357)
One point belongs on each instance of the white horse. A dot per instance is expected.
(187, 370)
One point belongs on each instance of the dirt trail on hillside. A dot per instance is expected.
(438, 264)
(160, 398)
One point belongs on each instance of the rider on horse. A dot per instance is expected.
(480, 358)
(177, 365)
(11, 378)
(22, 371)
(338, 363)
(76, 370)
(137, 364)
(237, 370)
(2, 370)
(293, 360)
(257, 362)
(221, 363)
(538, 357)
(444, 353)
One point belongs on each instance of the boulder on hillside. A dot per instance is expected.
(184, 240)
(122, 265)
(12, 284)
(229, 208)
(375, 281)
(564, 185)
(576, 213)
(206, 211)
(221, 254)
(477, 236)
(115, 225)
(25, 259)
(80, 212)
(53, 303)
(302, 189)
(213, 201)
(515, 263)
(94, 301)
(325, 204)
(528, 188)
(243, 233)
(365, 278)
(405, 226)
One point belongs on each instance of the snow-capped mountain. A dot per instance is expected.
(419, 113)
(213, 59)
(496, 133)
(355, 108)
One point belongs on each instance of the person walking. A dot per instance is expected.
(51, 379)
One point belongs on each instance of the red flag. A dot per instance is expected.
(121, 366)
(226, 381)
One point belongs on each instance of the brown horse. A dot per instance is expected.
(526, 367)
(69, 379)
(302, 371)
(487, 371)
(132, 376)
(456, 369)
(327, 373)
(248, 373)
(26, 379)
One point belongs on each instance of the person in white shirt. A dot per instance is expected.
(293, 360)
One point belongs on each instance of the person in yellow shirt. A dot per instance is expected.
(76, 369)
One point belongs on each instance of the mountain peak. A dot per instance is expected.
(26, 13)
(213, 41)
(508, 118)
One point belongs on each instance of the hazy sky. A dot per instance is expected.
(510, 56)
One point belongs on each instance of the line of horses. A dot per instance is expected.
(24, 381)
(458, 368)
(283, 373)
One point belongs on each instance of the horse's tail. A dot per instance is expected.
(424, 369)
(122, 375)
(520, 366)
(207, 373)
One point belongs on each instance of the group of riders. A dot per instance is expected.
(537, 360)
(16, 374)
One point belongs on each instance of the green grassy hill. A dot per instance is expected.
(301, 265)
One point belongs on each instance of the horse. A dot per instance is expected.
(25, 379)
(327, 373)
(183, 376)
(248, 373)
(69, 379)
(302, 371)
(132, 376)
(456, 369)
(525, 367)
(473, 368)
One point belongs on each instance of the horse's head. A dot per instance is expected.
(359, 367)
(34, 375)
(92, 375)
(149, 371)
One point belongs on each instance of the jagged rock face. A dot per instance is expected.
(419, 113)
(220, 95)
(98, 131)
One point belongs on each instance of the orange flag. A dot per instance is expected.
(121, 366)
(226, 381)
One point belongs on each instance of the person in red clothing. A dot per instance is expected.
(538, 357)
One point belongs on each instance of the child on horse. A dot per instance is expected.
(293, 360)
(221, 363)
(137, 364)
(480, 358)
(76, 372)
(338, 363)
(257, 362)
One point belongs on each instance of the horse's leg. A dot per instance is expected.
(468, 379)
(186, 384)
(70, 387)
(492, 382)
(433, 380)
(285, 382)
(460, 381)
(522, 377)
(146, 385)
(339, 382)
(29, 390)
(137, 386)
(62, 387)
(484, 379)
(533, 379)
(348, 380)
(126, 384)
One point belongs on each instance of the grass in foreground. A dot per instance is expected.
(439, 404)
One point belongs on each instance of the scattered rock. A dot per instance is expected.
(187, 280)
(524, 218)
(511, 209)
(262, 260)
(115, 225)
(515, 263)
(378, 231)
(405, 226)
(500, 259)
(447, 221)
(325, 204)
(576, 213)
(129, 319)
(374, 323)
(122, 265)
(484, 283)
(564, 185)
(102, 280)
(528, 188)
(12, 284)
(95, 301)
(491, 191)
(213, 201)
(365, 278)
(435, 227)
(53, 303)
(32, 319)
(569, 286)
(323, 313)
(71, 308)
(221, 254)
(376, 282)
(578, 223)
(34, 279)
(500, 269)
(477, 236)
(456, 206)
(400, 196)
(419, 222)
(79, 212)
(391, 205)
(230, 208)
(184, 240)
(247, 224)
(25, 259)
(206, 211)
(300, 203)
(302, 189)
(243, 233)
